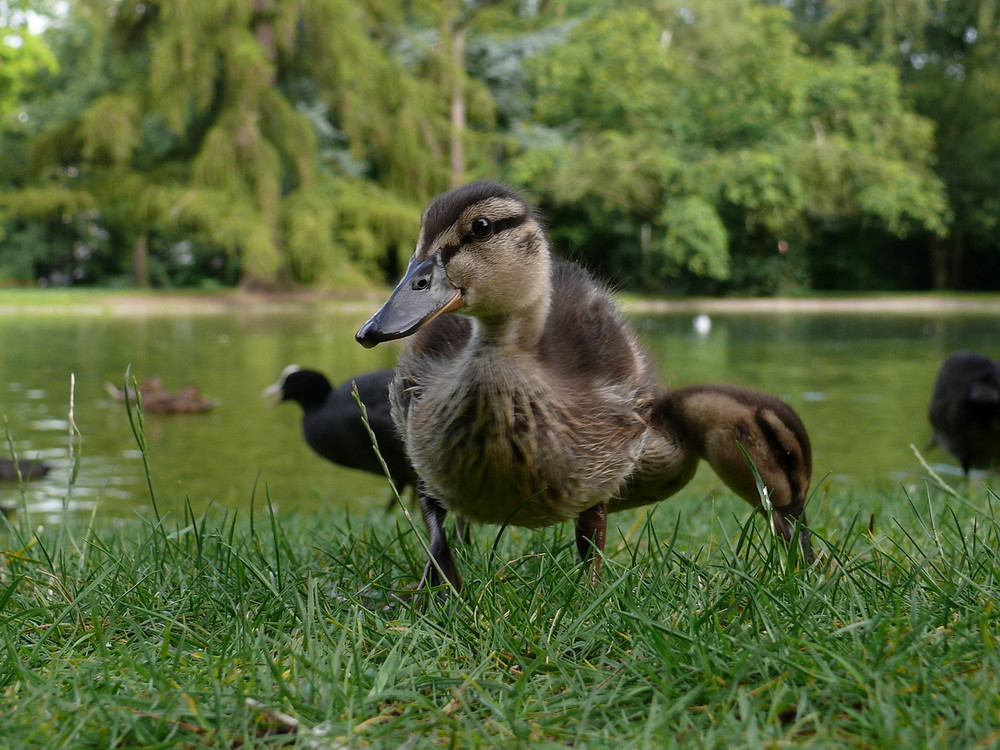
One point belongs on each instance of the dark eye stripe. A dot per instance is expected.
(500, 225)
(784, 457)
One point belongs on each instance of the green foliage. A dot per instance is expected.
(643, 129)
(40, 203)
(22, 57)
(202, 129)
(695, 238)
(946, 55)
(628, 84)
(714, 119)
(109, 130)
(339, 233)
(767, 186)
(71, 250)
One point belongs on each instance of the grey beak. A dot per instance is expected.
(423, 293)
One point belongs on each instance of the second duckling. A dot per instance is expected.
(712, 423)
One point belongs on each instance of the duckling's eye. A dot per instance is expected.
(482, 227)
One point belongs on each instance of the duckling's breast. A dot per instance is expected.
(500, 439)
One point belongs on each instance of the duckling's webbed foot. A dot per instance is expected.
(785, 519)
(591, 531)
(441, 560)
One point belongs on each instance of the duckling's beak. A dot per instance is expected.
(424, 293)
(785, 519)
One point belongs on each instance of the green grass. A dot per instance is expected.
(278, 631)
(267, 630)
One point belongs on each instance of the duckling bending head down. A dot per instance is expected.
(535, 405)
(717, 423)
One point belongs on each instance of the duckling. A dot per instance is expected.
(157, 399)
(533, 407)
(23, 468)
(965, 410)
(332, 425)
(711, 423)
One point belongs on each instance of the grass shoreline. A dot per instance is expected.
(134, 303)
(273, 631)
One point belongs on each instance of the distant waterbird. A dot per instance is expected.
(156, 399)
(332, 424)
(702, 324)
(23, 468)
(965, 410)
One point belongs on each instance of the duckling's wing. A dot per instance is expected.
(585, 333)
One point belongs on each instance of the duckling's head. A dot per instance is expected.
(481, 250)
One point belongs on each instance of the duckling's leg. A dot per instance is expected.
(785, 518)
(440, 560)
(463, 529)
(591, 531)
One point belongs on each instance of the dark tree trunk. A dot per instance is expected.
(458, 106)
(140, 262)
(946, 262)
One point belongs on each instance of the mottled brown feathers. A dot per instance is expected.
(667, 416)
(708, 421)
(538, 409)
(585, 334)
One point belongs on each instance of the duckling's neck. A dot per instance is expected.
(514, 331)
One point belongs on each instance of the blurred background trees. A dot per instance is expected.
(731, 146)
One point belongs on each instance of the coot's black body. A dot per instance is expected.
(965, 410)
(332, 424)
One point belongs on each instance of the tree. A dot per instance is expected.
(706, 144)
(22, 55)
(947, 53)
(673, 145)
(248, 125)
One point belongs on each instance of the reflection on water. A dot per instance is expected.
(860, 382)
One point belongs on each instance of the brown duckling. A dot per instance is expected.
(536, 405)
(965, 410)
(711, 423)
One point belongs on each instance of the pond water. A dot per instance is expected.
(861, 383)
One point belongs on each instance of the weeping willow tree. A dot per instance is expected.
(294, 135)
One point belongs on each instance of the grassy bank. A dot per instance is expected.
(78, 301)
(138, 302)
(270, 631)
